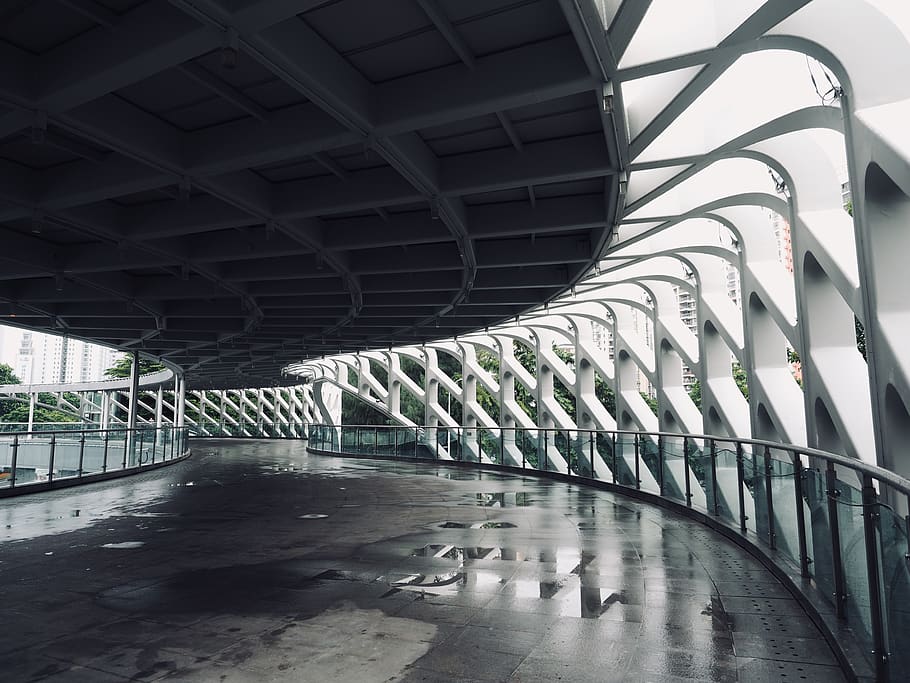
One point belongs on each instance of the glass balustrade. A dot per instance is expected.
(838, 521)
(43, 456)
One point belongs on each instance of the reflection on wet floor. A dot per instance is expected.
(273, 559)
(477, 525)
(577, 589)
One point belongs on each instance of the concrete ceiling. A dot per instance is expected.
(233, 185)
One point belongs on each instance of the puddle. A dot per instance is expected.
(153, 514)
(125, 545)
(312, 515)
(459, 554)
(477, 525)
(503, 500)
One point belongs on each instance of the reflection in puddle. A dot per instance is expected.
(125, 545)
(504, 499)
(451, 552)
(565, 576)
(478, 525)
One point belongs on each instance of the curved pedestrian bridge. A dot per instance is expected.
(257, 561)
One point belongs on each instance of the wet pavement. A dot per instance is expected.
(254, 561)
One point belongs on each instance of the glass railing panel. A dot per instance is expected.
(490, 445)
(470, 447)
(549, 458)
(116, 450)
(751, 463)
(385, 441)
(562, 457)
(785, 496)
(727, 487)
(849, 500)
(527, 441)
(349, 439)
(700, 472)
(604, 466)
(894, 551)
(406, 444)
(584, 455)
(649, 458)
(673, 467)
(627, 462)
(9, 457)
(447, 442)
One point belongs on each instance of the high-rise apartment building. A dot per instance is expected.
(47, 359)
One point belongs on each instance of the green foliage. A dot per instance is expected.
(413, 370)
(19, 413)
(123, 366)
(7, 376)
(695, 394)
(652, 402)
(356, 411)
(412, 407)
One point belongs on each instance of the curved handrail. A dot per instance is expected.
(36, 460)
(886, 476)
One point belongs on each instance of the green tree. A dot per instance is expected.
(7, 376)
(123, 366)
(7, 406)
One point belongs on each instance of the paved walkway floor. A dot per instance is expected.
(254, 561)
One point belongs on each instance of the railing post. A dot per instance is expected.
(800, 515)
(14, 461)
(375, 440)
(546, 451)
(502, 446)
(686, 467)
(635, 438)
(524, 445)
(740, 482)
(81, 454)
(155, 445)
(613, 469)
(769, 471)
(141, 445)
(50, 459)
(837, 564)
(415, 442)
(395, 435)
(107, 437)
(591, 436)
(715, 507)
(126, 444)
(871, 533)
(660, 464)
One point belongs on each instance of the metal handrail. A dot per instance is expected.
(894, 480)
(39, 457)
